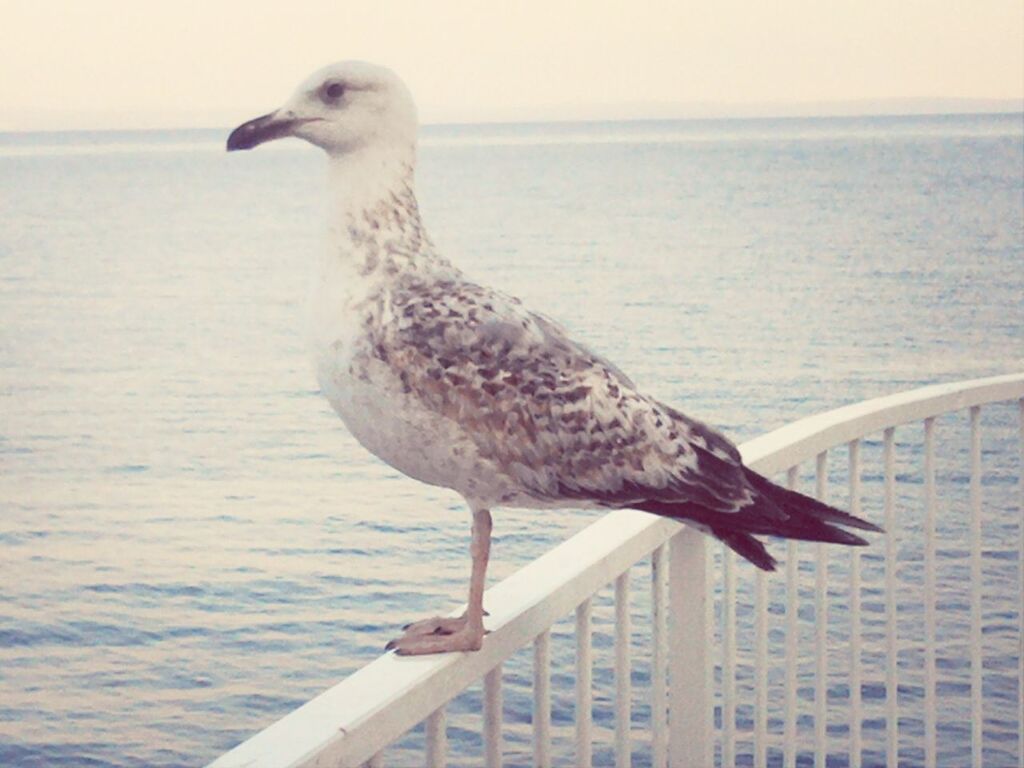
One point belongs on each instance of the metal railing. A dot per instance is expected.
(694, 627)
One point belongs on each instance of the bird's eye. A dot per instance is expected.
(333, 91)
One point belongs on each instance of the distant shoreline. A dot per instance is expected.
(575, 132)
(580, 114)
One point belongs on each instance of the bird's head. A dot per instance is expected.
(341, 108)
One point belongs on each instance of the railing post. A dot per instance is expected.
(691, 707)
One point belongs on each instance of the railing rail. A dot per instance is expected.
(351, 723)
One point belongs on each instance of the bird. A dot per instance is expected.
(459, 385)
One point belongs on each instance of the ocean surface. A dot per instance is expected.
(191, 544)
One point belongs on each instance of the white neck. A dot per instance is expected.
(375, 220)
(376, 241)
(361, 179)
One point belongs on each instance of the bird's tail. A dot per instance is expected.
(775, 511)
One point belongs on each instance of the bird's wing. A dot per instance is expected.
(560, 420)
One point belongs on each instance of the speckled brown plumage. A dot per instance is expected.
(556, 419)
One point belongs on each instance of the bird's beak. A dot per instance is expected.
(275, 125)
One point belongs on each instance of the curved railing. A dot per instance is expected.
(353, 722)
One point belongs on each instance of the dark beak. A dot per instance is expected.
(262, 129)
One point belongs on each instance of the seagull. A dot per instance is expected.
(461, 386)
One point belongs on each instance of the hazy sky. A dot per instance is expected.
(113, 62)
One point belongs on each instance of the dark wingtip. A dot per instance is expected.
(850, 521)
(849, 539)
(808, 505)
(747, 547)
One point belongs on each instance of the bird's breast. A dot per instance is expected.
(378, 410)
(396, 427)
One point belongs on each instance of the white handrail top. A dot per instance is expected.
(801, 440)
(348, 723)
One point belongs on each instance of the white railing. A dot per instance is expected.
(354, 722)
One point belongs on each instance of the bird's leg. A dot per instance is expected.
(466, 632)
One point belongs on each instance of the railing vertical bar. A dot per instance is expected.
(492, 718)
(891, 684)
(729, 658)
(1020, 593)
(761, 670)
(792, 637)
(542, 700)
(691, 708)
(584, 685)
(659, 660)
(623, 690)
(977, 716)
(929, 593)
(821, 628)
(437, 739)
(855, 626)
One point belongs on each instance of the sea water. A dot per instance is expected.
(191, 545)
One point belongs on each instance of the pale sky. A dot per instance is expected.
(110, 63)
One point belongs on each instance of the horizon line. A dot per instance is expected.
(922, 106)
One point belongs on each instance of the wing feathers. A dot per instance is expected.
(565, 425)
